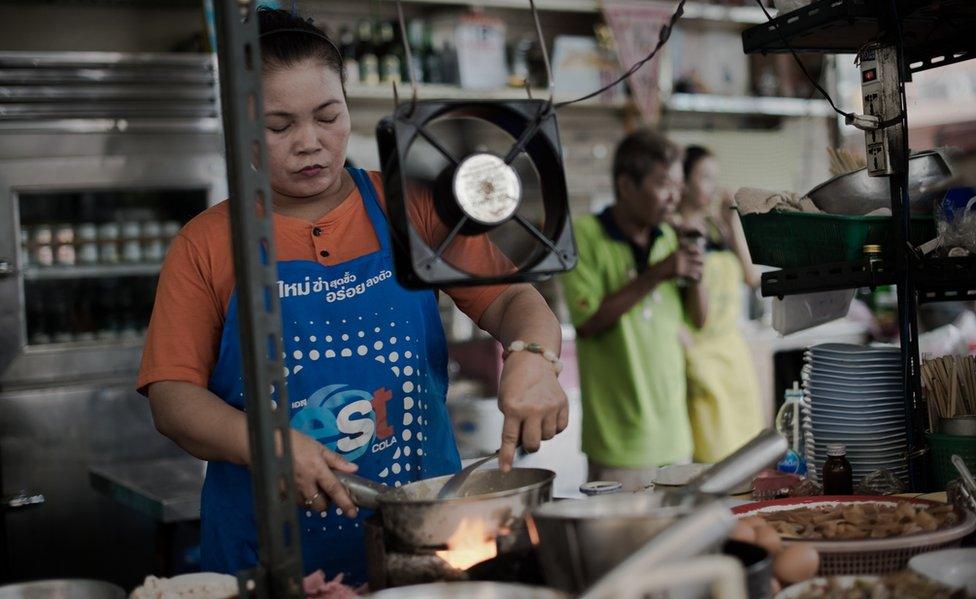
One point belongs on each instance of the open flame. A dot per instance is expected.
(469, 545)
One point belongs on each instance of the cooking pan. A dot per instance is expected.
(62, 589)
(414, 516)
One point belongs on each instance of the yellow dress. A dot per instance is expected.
(723, 390)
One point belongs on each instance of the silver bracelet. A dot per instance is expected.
(549, 355)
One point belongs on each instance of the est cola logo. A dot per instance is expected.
(344, 419)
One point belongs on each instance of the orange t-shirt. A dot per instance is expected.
(197, 278)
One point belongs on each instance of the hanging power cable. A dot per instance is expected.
(865, 122)
(662, 39)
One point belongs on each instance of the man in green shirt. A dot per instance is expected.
(634, 286)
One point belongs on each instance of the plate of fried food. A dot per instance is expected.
(863, 534)
(897, 585)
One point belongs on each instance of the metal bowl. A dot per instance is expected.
(469, 590)
(580, 540)
(499, 500)
(856, 193)
(62, 589)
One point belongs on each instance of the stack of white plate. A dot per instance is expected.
(855, 395)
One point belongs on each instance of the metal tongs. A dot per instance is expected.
(968, 488)
(675, 557)
(764, 449)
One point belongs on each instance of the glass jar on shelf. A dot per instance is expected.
(64, 241)
(86, 235)
(152, 242)
(131, 242)
(43, 240)
(108, 243)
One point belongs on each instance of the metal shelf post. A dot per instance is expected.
(279, 569)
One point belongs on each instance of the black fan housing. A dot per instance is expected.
(491, 168)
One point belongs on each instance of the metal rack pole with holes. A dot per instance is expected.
(279, 569)
(911, 36)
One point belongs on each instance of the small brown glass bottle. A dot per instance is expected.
(838, 478)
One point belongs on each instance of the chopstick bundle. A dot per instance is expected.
(843, 161)
(949, 383)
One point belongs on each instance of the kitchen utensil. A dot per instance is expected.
(805, 588)
(968, 490)
(737, 469)
(694, 533)
(758, 566)
(580, 540)
(62, 589)
(474, 590)
(951, 567)
(414, 516)
(856, 193)
(452, 488)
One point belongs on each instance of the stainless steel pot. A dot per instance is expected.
(856, 193)
(581, 540)
(414, 516)
(469, 590)
(62, 589)
(578, 541)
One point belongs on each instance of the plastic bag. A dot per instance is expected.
(956, 221)
(880, 482)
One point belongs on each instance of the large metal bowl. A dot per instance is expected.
(62, 589)
(499, 500)
(469, 590)
(580, 540)
(856, 193)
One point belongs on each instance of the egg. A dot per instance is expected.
(768, 539)
(743, 532)
(796, 563)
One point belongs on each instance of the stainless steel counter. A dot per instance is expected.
(167, 490)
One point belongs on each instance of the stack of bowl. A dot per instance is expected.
(855, 395)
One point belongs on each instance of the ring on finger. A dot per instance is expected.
(311, 500)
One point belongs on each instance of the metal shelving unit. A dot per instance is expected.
(43, 273)
(914, 35)
(694, 11)
(679, 102)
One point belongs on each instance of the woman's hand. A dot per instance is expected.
(533, 403)
(314, 477)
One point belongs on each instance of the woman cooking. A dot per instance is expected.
(366, 372)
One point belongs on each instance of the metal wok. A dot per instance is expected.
(414, 516)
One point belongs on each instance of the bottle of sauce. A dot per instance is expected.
(838, 478)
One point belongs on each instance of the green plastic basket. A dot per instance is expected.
(941, 449)
(797, 239)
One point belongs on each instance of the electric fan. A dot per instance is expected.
(459, 174)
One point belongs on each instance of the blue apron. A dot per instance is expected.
(366, 373)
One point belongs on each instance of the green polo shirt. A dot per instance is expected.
(632, 375)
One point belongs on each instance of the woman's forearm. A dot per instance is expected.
(200, 422)
(522, 314)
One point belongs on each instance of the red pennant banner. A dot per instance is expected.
(636, 26)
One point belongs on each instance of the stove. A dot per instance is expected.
(391, 564)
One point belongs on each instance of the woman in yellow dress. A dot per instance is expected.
(723, 390)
